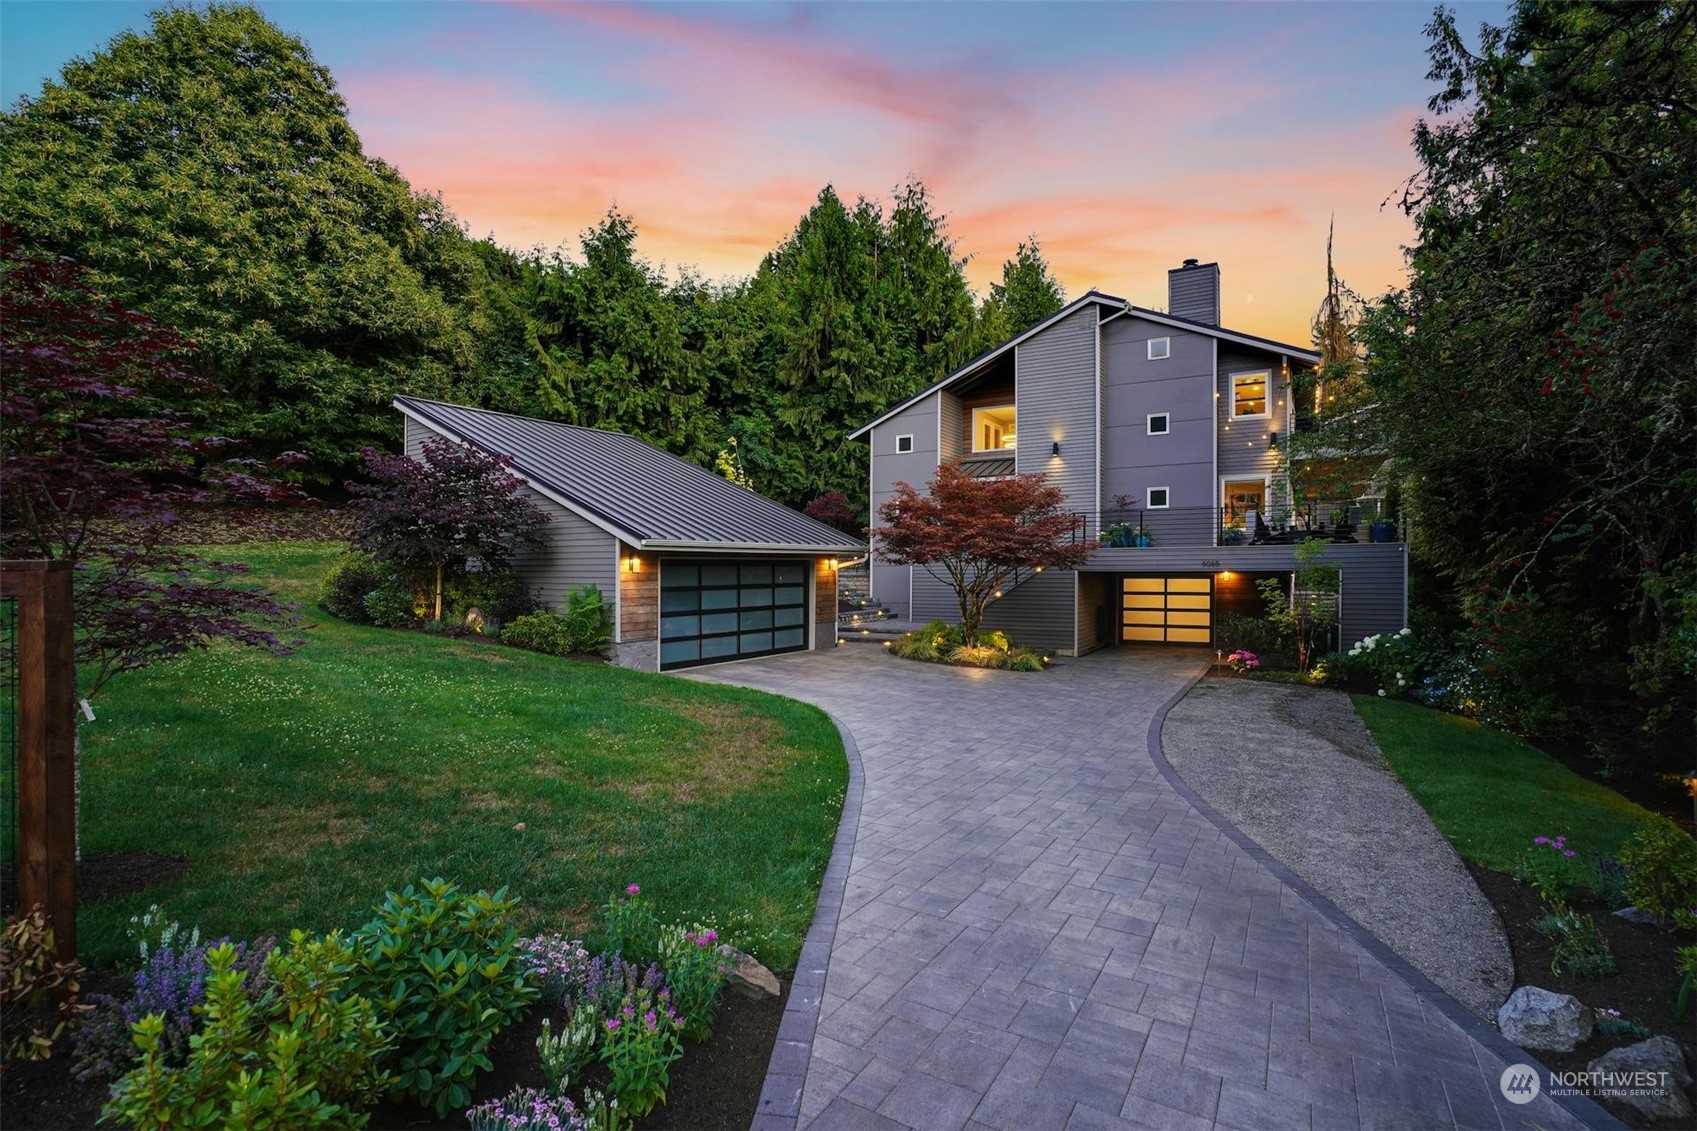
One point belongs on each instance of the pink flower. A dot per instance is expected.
(613, 1024)
(633, 890)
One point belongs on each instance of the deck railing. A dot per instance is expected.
(1357, 520)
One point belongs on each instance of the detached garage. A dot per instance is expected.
(697, 569)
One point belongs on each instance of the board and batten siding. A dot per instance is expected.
(1180, 385)
(1055, 400)
(918, 467)
(576, 551)
(1038, 613)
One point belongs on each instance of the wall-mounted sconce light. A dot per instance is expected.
(1056, 449)
(1273, 438)
(633, 564)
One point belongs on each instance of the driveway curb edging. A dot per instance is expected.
(1585, 1110)
(786, 1072)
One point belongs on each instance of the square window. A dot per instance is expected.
(1160, 349)
(1157, 498)
(993, 429)
(904, 443)
(1249, 393)
(1159, 424)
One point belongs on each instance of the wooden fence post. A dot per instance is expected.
(46, 729)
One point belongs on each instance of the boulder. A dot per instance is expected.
(1636, 915)
(748, 977)
(1538, 1019)
(1661, 1092)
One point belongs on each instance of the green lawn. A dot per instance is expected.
(1490, 793)
(302, 788)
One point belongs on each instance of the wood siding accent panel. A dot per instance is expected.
(1055, 385)
(951, 431)
(639, 596)
(824, 604)
(1237, 596)
(1133, 387)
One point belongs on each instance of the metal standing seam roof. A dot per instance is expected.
(647, 496)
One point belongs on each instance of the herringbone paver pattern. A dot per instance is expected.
(1038, 932)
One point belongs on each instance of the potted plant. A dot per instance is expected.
(1384, 527)
(1118, 535)
(1141, 537)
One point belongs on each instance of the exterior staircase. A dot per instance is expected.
(860, 619)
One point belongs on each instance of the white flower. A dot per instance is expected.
(1406, 632)
(1381, 693)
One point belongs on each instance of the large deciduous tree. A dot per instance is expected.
(1538, 377)
(979, 535)
(206, 171)
(429, 515)
(97, 468)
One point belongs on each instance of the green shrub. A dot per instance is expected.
(995, 638)
(1580, 947)
(588, 619)
(308, 1054)
(392, 605)
(916, 646)
(1020, 660)
(543, 632)
(975, 656)
(1386, 663)
(1661, 870)
(343, 592)
(446, 969)
(495, 591)
(1234, 631)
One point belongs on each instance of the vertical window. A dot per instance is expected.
(1249, 393)
(904, 443)
(1157, 498)
(1160, 349)
(1159, 424)
(993, 429)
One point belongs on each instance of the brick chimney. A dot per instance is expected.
(1193, 292)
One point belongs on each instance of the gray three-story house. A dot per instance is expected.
(1162, 429)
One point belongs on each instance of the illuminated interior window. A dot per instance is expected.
(1249, 394)
(993, 429)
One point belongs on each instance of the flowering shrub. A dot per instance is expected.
(1385, 663)
(171, 985)
(1242, 661)
(578, 1043)
(633, 930)
(696, 970)
(1551, 867)
(609, 978)
(639, 1048)
(1611, 1024)
(527, 1109)
(558, 966)
(34, 987)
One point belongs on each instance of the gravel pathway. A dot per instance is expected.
(1297, 770)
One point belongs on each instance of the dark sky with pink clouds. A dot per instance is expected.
(1126, 137)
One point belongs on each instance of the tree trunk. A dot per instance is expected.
(438, 591)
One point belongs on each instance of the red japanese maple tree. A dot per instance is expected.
(979, 535)
(100, 463)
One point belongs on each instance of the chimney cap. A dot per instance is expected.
(1191, 262)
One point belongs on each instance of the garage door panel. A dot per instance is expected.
(726, 610)
(1166, 610)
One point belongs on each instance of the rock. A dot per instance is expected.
(748, 977)
(1636, 915)
(1661, 1092)
(1538, 1019)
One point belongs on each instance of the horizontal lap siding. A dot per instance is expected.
(1246, 449)
(918, 468)
(1375, 591)
(1180, 385)
(1036, 614)
(1055, 397)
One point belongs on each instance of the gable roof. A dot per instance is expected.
(1119, 306)
(630, 488)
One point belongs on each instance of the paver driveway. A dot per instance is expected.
(1038, 931)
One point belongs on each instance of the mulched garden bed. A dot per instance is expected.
(716, 1085)
(1642, 989)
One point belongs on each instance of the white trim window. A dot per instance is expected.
(1160, 349)
(1160, 423)
(1160, 498)
(904, 444)
(1251, 394)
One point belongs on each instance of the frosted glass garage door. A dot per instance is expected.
(711, 612)
(1166, 610)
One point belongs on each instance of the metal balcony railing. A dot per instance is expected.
(1357, 520)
